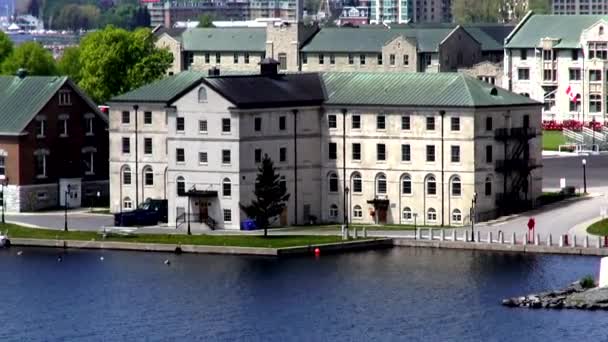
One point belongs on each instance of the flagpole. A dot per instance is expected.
(583, 90)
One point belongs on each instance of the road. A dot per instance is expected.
(571, 168)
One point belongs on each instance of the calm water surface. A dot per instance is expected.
(398, 294)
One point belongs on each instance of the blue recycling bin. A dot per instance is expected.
(248, 225)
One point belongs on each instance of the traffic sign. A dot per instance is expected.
(531, 223)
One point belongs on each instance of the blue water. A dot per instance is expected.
(397, 294)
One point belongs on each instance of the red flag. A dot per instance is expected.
(571, 94)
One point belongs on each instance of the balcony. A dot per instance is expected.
(519, 133)
(506, 165)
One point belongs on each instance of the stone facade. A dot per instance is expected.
(486, 71)
(174, 46)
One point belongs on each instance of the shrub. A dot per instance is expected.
(587, 282)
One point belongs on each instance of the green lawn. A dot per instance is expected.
(599, 228)
(552, 140)
(16, 231)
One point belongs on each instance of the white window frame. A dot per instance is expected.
(200, 154)
(357, 212)
(227, 215)
(65, 97)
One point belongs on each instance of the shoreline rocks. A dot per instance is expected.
(574, 296)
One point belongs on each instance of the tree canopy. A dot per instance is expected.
(69, 63)
(491, 11)
(6, 46)
(205, 20)
(31, 56)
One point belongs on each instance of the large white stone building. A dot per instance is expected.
(362, 147)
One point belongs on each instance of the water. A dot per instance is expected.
(398, 294)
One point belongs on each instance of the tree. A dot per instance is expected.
(475, 11)
(271, 196)
(6, 46)
(69, 64)
(32, 57)
(205, 20)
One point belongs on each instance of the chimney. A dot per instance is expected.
(269, 67)
(21, 73)
(214, 71)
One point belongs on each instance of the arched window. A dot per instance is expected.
(456, 216)
(407, 214)
(202, 95)
(456, 186)
(488, 186)
(148, 176)
(226, 187)
(357, 212)
(127, 203)
(357, 185)
(126, 175)
(181, 186)
(381, 184)
(406, 185)
(431, 215)
(431, 185)
(333, 211)
(333, 182)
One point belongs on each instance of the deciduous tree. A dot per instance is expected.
(69, 63)
(31, 56)
(6, 46)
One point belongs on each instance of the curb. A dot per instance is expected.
(581, 228)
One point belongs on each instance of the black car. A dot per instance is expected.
(149, 213)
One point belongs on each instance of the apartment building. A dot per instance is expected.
(433, 11)
(575, 7)
(560, 61)
(364, 147)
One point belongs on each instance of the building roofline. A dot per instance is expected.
(517, 27)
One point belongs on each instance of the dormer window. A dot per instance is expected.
(601, 30)
(64, 98)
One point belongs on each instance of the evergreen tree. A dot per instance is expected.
(271, 197)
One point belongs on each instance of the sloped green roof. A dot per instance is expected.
(225, 39)
(415, 89)
(371, 39)
(488, 43)
(163, 91)
(567, 28)
(22, 98)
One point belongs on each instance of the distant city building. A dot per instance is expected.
(355, 16)
(391, 11)
(432, 11)
(580, 6)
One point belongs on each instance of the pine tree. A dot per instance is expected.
(270, 197)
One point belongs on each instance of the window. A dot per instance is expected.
(89, 163)
(126, 117)
(257, 155)
(179, 124)
(207, 58)
(455, 154)
(595, 75)
(202, 95)
(379, 59)
(304, 58)
(257, 124)
(283, 154)
(235, 58)
(282, 123)
(407, 214)
(333, 151)
(126, 175)
(202, 157)
(455, 124)
(333, 182)
(356, 151)
(406, 185)
(523, 53)
(456, 186)
(64, 98)
(406, 60)
(575, 74)
(381, 184)
(225, 156)
(405, 123)
(332, 121)
(431, 215)
(595, 103)
(431, 185)
(226, 187)
(148, 176)
(282, 61)
(40, 128)
(227, 215)
(127, 203)
(380, 152)
(380, 122)
(391, 59)
(547, 55)
(218, 58)
(41, 165)
(357, 183)
(575, 54)
(430, 123)
(180, 185)
(549, 74)
(357, 212)
(202, 126)
(226, 125)
(356, 122)
(406, 155)
(488, 186)
(246, 57)
(332, 59)
(351, 59)
(180, 155)
(575, 106)
(333, 211)
(456, 215)
(2, 166)
(321, 59)
(63, 127)
(126, 145)
(489, 157)
(147, 145)
(90, 126)
(489, 123)
(362, 59)
(430, 153)
(148, 116)
(598, 50)
(523, 74)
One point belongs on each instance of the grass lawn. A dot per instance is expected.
(599, 228)
(552, 140)
(16, 231)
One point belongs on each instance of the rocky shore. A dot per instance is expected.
(575, 296)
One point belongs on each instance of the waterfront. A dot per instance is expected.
(395, 294)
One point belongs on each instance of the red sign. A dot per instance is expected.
(531, 223)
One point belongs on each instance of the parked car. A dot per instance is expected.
(149, 213)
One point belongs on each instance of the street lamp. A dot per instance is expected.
(65, 205)
(585, 175)
(346, 207)
(472, 216)
(4, 185)
(415, 229)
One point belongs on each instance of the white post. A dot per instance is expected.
(525, 239)
(365, 232)
(513, 240)
(561, 240)
(478, 237)
(599, 242)
(573, 240)
(603, 281)
(418, 234)
(489, 237)
(430, 233)
(342, 231)
(453, 234)
(537, 239)
(443, 235)
(586, 241)
(549, 240)
(355, 233)
(501, 237)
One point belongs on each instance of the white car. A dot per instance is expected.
(4, 241)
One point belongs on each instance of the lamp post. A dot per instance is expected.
(472, 216)
(65, 205)
(346, 207)
(584, 175)
(136, 107)
(4, 184)
(415, 229)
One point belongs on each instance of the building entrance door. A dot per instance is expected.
(381, 215)
(203, 211)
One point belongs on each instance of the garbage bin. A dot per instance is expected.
(248, 225)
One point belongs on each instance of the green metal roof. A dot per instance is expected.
(163, 91)
(22, 98)
(372, 39)
(488, 43)
(225, 39)
(567, 28)
(414, 89)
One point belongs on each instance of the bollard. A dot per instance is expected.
(478, 237)
(418, 234)
(431, 233)
(525, 239)
(489, 237)
(355, 233)
(501, 237)
(549, 240)
(537, 240)
(443, 235)
(561, 241)
(586, 242)
(365, 233)
(454, 235)
(565, 236)
(347, 235)
(573, 240)
(513, 240)
(599, 242)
